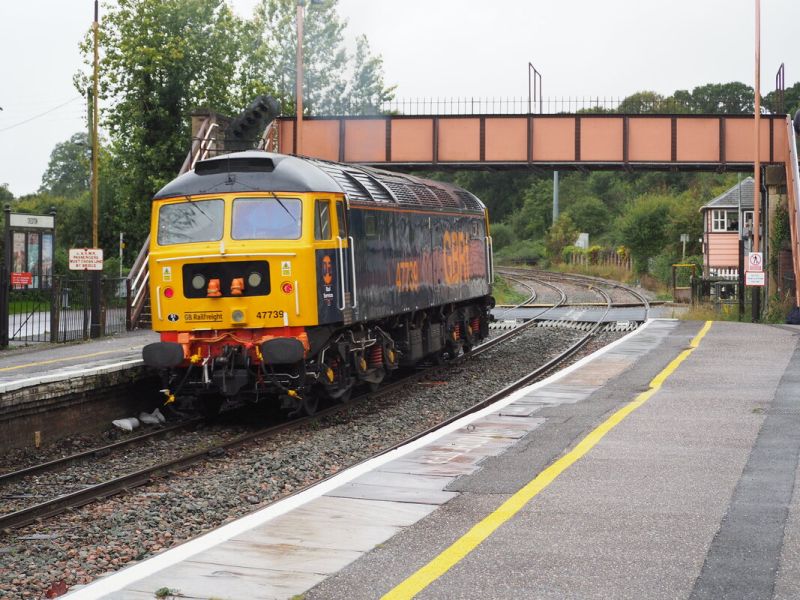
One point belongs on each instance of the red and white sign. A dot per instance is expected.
(19, 279)
(755, 262)
(754, 278)
(86, 259)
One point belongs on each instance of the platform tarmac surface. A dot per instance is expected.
(39, 363)
(688, 493)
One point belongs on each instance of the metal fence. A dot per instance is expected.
(61, 310)
(496, 105)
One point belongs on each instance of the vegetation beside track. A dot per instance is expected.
(504, 292)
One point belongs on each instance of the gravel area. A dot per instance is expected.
(41, 487)
(79, 546)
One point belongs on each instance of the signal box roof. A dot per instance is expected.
(256, 171)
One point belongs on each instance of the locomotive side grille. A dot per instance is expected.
(402, 192)
(373, 187)
(446, 198)
(424, 195)
(470, 201)
(352, 187)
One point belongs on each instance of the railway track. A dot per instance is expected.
(94, 492)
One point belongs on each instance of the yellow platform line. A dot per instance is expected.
(470, 540)
(56, 360)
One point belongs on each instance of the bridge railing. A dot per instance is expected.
(485, 105)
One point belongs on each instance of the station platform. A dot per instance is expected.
(44, 363)
(662, 466)
(45, 387)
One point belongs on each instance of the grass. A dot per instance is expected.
(709, 312)
(504, 293)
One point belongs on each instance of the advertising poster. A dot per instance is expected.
(19, 261)
(47, 260)
(33, 257)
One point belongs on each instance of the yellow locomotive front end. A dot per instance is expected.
(234, 289)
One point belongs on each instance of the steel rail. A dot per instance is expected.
(94, 452)
(584, 279)
(143, 476)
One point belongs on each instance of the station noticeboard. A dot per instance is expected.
(86, 259)
(754, 278)
(29, 254)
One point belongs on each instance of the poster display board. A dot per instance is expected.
(30, 243)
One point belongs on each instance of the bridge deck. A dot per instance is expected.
(604, 141)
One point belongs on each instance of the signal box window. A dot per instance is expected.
(266, 219)
(187, 222)
(322, 220)
(725, 220)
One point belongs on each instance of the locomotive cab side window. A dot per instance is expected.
(266, 219)
(370, 225)
(341, 223)
(193, 221)
(322, 220)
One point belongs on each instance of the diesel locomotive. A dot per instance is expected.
(285, 279)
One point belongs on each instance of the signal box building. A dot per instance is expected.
(726, 219)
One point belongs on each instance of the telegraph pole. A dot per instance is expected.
(298, 124)
(757, 160)
(95, 325)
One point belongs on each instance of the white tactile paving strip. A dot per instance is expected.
(289, 547)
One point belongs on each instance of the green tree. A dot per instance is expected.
(68, 172)
(502, 235)
(791, 100)
(643, 228)
(563, 233)
(643, 102)
(589, 214)
(5, 193)
(532, 220)
(324, 54)
(162, 58)
(723, 98)
(366, 91)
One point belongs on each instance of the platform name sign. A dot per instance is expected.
(86, 259)
(754, 273)
(29, 254)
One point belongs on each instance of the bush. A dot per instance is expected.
(502, 235)
(526, 251)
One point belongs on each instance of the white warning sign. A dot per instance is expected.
(86, 259)
(286, 268)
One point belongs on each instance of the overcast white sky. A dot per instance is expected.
(445, 48)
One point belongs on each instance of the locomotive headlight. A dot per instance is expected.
(254, 279)
(198, 282)
(238, 316)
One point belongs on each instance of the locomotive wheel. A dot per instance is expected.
(309, 404)
(347, 396)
